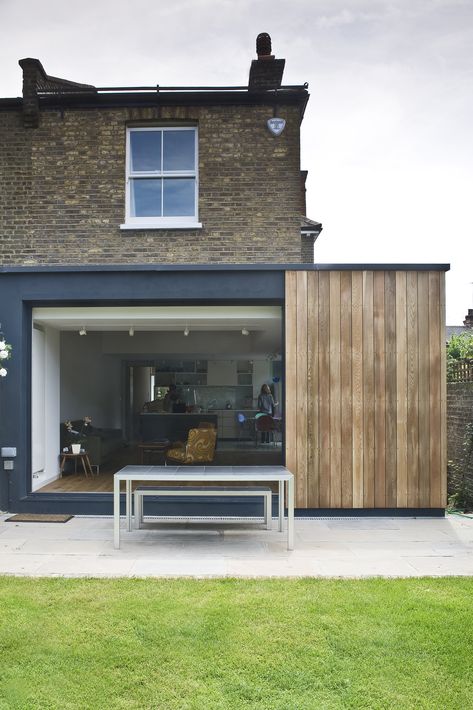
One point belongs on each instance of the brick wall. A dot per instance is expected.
(62, 188)
(459, 413)
(307, 250)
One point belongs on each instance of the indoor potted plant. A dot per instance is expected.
(77, 437)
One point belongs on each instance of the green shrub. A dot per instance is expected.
(460, 346)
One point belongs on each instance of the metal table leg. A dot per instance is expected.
(281, 506)
(116, 513)
(290, 513)
(128, 505)
(268, 513)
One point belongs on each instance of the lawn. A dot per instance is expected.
(204, 644)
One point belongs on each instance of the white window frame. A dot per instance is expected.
(184, 222)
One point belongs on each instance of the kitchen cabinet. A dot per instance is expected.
(228, 426)
(221, 372)
(180, 372)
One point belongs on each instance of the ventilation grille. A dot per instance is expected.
(227, 518)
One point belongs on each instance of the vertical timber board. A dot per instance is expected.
(313, 389)
(401, 388)
(435, 394)
(365, 389)
(391, 393)
(335, 394)
(346, 358)
(368, 391)
(424, 388)
(443, 395)
(324, 389)
(412, 392)
(357, 386)
(379, 390)
(291, 371)
(301, 389)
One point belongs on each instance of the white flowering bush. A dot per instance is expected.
(5, 353)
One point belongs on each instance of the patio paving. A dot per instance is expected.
(324, 547)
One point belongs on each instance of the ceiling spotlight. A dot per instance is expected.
(83, 331)
(186, 330)
(131, 331)
(245, 331)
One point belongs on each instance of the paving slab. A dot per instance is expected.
(324, 547)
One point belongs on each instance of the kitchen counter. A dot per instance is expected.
(235, 410)
(168, 425)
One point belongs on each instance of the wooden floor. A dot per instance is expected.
(103, 483)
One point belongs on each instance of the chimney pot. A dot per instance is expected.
(263, 46)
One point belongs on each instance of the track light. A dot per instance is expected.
(83, 331)
(131, 331)
(186, 331)
(245, 331)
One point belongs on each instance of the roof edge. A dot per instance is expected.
(60, 268)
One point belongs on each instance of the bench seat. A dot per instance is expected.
(216, 491)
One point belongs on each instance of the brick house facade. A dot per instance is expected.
(62, 177)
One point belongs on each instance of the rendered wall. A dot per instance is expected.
(90, 381)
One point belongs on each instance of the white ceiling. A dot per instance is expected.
(160, 318)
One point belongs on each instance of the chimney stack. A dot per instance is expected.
(36, 82)
(266, 71)
(33, 72)
(468, 322)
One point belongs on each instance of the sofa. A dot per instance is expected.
(99, 443)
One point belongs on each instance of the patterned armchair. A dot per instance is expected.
(200, 447)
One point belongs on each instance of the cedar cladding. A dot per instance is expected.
(365, 388)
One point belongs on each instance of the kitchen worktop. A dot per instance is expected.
(235, 410)
(167, 425)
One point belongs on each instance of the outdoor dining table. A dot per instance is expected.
(206, 474)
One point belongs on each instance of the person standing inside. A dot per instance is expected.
(266, 406)
(171, 398)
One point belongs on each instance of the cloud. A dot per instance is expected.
(387, 133)
(345, 17)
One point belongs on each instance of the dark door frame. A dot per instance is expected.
(23, 289)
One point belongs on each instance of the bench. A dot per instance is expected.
(221, 491)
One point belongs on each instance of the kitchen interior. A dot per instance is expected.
(117, 364)
(209, 367)
(228, 389)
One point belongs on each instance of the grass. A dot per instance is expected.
(205, 644)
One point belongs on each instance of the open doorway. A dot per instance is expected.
(150, 374)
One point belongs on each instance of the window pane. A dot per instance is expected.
(179, 150)
(146, 198)
(179, 197)
(145, 150)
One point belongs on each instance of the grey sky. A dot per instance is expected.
(387, 135)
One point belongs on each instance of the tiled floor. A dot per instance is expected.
(357, 547)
